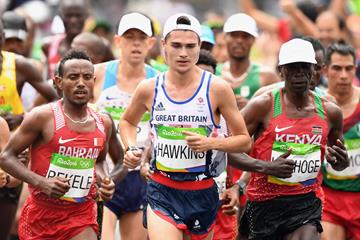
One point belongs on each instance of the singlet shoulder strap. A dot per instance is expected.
(59, 119)
(110, 73)
(277, 108)
(319, 106)
(98, 120)
(9, 64)
(150, 71)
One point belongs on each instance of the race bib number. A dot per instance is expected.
(174, 155)
(353, 170)
(307, 159)
(80, 171)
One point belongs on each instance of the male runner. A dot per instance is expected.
(15, 71)
(244, 76)
(341, 214)
(68, 147)
(121, 77)
(185, 104)
(292, 123)
(73, 13)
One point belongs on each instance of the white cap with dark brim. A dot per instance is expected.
(296, 50)
(135, 21)
(241, 22)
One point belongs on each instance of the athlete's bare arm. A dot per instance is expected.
(107, 186)
(267, 77)
(141, 102)
(116, 153)
(26, 71)
(35, 129)
(336, 153)
(223, 102)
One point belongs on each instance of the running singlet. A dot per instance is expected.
(349, 178)
(307, 137)
(10, 100)
(69, 154)
(171, 155)
(114, 100)
(250, 84)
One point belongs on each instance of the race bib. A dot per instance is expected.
(307, 159)
(80, 171)
(353, 170)
(172, 152)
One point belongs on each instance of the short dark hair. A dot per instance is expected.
(206, 58)
(315, 43)
(340, 47)
(181, 20)
(309, 9)
(72, 54)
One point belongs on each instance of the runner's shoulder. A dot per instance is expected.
(39, 116)
(146, 87)
(333, 111)
(260, 104)
(219, 85)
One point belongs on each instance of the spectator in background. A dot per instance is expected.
(331, 28)
(73, 14)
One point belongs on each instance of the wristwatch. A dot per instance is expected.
(242, 186)
(131, 148)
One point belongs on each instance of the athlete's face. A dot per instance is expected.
(239, 44)
(297, 76)
(74, 16)
(340, 73)
(181, 49)
(78, 80)
(328, 27)
(134, 45)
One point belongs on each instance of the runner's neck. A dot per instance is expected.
(183, 79)
(131, 72)
(343, 99)
(239, 67)
(75, 112)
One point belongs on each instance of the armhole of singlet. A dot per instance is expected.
(99, 121)
(319, 104)
(154, 100)
(150, 72)
(59, 119)
(110, 68)
(208, 100)
(276, 102)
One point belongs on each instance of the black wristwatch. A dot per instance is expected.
(131, 148)
(242, 186)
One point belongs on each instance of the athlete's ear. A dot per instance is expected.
(280, 73)
(58, 80)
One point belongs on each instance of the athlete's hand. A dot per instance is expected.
(337, 156)
(145, 171)
(3, 176)
(197, 142)
(288, 6)
(12, 120)
(241, 101)
(281, 167)
(55, 187)
(107, 189)
(132, 159)
(230, 198)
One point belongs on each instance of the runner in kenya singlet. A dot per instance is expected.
(307, 137)
(69, 154)
(170, 118)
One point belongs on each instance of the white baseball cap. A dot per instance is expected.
(134, 20)
(171, 24)
(241, 22)
(296, 50)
